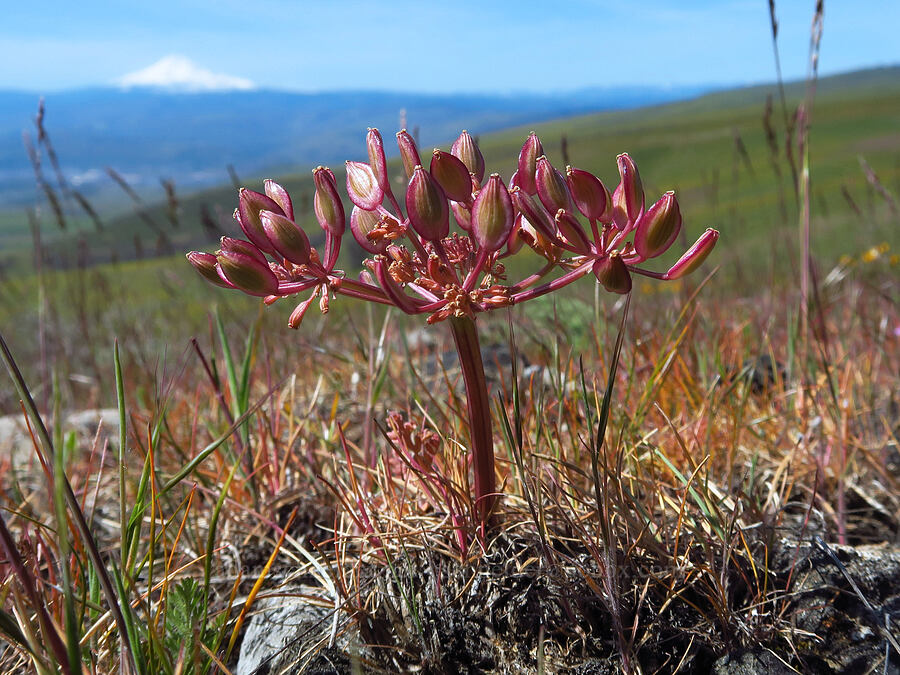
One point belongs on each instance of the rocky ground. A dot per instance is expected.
(840, 616)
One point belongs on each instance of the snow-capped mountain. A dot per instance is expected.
(179, 73)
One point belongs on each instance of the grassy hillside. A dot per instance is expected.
(693, 146)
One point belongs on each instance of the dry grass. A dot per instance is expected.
(704, 469)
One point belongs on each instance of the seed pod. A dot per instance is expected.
(466, 149)
(409, 153)
(377, 160)
(288, 239)
(327, 203)
(551, 187)
(249, 206)
(247, 273)
(362, 186)
(588, 192)
(492, 215)
(517, 236)
(280, 196)
(205, 263)
(244, 247)
(452, 175)
(533, 237)
(531, 150)
(535, 213)
(628, 197)
(613, 274)
(694, 256)
(427, 206)
(658, 227)
(463, 216)
(571, 231)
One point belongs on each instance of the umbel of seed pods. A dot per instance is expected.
(417, 264)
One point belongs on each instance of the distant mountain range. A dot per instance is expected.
(149, 133)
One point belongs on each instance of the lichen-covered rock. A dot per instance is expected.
(751, 662)
(287, 633)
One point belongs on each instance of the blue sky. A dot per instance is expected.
(456, 45)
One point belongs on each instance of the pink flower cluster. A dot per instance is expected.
(417, 264)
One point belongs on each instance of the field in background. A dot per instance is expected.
(713, 150)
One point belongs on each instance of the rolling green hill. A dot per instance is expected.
(712, 150)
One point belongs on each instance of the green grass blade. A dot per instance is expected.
(243, 392)
(230, 370)
(135, 519)
(210, 547)
(707, 508)
(212, 447)
(120, 402)
(64, 546)
(71, 501)
(603, 418)
(129, 624)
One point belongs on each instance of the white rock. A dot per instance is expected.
(16, 443)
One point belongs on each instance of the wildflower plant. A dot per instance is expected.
(418, 265)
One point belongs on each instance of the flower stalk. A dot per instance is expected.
(478, 405)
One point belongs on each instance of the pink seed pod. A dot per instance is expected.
(588, 192)
(466, 149)
(657, 229)
(409, 153)
(463, 216)
(287, 239)
(377, 160)
(280, 196)
(535, 213)
(517, 236)
(205, 263)
(452, 175)
(492, 215)
(529, 234)
(694, 256)
(243, 247)
(531, 150)
(362, 186)
(570, 231)
(628, 197)
(551, 187)
(613, 274)
(327, 203)
(247, 273)
(427, 206)
(249, 205)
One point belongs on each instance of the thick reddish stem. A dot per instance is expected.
(478, 405)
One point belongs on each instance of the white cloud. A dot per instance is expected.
(182, 74)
